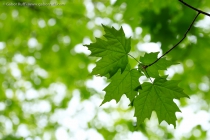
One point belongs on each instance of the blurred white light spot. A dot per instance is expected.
(109, 10)
(92, 134)
(100, 6)
(96, 83)
(105, 119)
(89, 8)
(196, 133)
(189, 63)
(143, 79)
(116, 26)
(138, 30)
(147, 38)
(90, 67)
(98, 21)
(66, 39)
(23, 131)
(137, 136)
(86, 40)
(3, 16)
(19, 58)
(47, 135)
(74, 102)
(42, 106)
(15, 70)
(119, 128)
(20, 95)
(115, 115)
(27, 84)
(32, 42)
(9, 93)
(124, 102)
(15, 13)
(41, 23)
(37, 55)
(36, 80)
(106, 21)
(8, 125)
(52, 22)
(61, 134)
(79, 48)
(3, 61)
(204, 87)
(118, 16)
(204, 23)
(58, 12)
(174, 69)
(60, 90)
(191, 119)
(14, 118)
(55, 48)
(150, 47)
(31, 94)
(127, 29)
(80, 135)
(192, 86)
(112, 1)
(41, 72)
(2, 106)
(2, 45)
(192, 39)
(30, 60)
(97, 33)
(90, 25)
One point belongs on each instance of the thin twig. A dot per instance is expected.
(175, 44)
(148, 75)
(134, 58)
(200, 11)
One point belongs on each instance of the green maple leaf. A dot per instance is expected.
(158, 97)
(114, 52)
(123, 83)
(152, 71)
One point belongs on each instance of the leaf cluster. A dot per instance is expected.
(151, 96)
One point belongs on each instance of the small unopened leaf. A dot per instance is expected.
(152, 71)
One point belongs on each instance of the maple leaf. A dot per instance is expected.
(114, 52)
(123, 83)
(158, 97)
(152, 71)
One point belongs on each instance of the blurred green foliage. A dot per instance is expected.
(43, 65)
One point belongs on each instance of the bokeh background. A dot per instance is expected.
(47, 92)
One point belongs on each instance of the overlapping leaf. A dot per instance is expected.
(152, 71)
(158, 97)
(123, 83)
(114, 52)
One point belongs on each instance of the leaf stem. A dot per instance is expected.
(176, 43)
(199, 11)
(148, 75)
(134, 58)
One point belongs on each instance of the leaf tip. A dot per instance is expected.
(102, 103)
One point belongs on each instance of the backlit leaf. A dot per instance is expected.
(158, 97)
(114, 52)
(123, 83)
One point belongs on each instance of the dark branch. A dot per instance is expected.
(200, 11)
(175, 44)
(134, 58)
